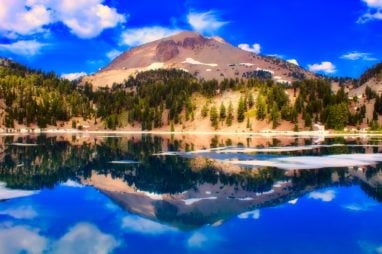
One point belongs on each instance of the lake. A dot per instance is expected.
(190, 194)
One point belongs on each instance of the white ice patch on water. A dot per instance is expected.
(193, 61)
(265, 193)
(6, 193)
(124, 162)
(195, 200)
(24, 144)
(314, 162)
(245, 199)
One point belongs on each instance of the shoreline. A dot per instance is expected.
(267, 133)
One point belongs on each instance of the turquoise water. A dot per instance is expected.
(149, 194)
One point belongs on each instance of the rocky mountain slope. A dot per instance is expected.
(206, 58)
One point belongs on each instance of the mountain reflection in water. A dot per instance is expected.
(177, 189)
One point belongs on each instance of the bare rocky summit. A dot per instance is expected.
(205, 58)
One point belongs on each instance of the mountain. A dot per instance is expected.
(371, 78)
(205, 58)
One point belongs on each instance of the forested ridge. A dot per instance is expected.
(166, 97)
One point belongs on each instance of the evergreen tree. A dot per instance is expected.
(230, 114)
(214, 117)
(261, 107)
(241, 110)
(205, 111)
(275, 115)
(223, 113)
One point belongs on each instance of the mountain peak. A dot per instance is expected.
(205, 58)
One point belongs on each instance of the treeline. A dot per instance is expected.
(165, 97)
(36, 97)
(375, 71)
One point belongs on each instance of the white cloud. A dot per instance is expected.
(26, 48)
(197, 240)
(84, 18)
(374, 11)
(360, 207)
(326, 67)
(293, 202)
(16, 19)
(355, 55)
(325, 196)
(113, 54)
(71, 77)
(144, 226)
(21, 240)
(23, 212)
(293, 61)
(205, 22)
(255, 48)
(87, 18)
(373, 3)
(85, 238)
(255, 214)
(138, 36)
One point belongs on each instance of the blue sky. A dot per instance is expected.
(341, 38)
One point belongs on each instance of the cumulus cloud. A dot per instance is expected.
(255, 48)
(144, 226)
(22, 212)
(85, 238)
(325, 196)
(87, 18)
(25, 48)
(374, 11)
(84, 18)
(16, 19)
(138, 36)
(21, 239)
(293, 61)
(197, 240)
(355, 55)
(326, 67)
(113, 54)
(205, 22)
(71, 77)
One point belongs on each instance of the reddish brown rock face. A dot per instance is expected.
(166, 50)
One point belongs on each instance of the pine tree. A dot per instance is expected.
(251, 100)
(230, 114)
(214, 117)
(261, 107)
(275, 115)
(223, 113)
(241, 110)
(204, 111)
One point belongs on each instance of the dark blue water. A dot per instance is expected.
(66, 197)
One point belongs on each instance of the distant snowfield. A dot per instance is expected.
(6, 193)
(193, 61)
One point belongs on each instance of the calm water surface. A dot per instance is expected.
(190, 194)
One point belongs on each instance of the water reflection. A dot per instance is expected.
(193, 185)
